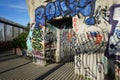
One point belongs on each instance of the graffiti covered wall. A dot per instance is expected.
(65, 8)
(41, 43)
(107, 25)
(67, 43)
(95, 32)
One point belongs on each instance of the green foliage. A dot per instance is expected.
(20, 41)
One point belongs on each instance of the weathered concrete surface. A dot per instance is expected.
(21, 68)
(66, 72)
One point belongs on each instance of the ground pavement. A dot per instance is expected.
(13, 67)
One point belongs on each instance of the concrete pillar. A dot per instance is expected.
(57, 55)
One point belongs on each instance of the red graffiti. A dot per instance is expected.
(75, 25)
(70, 35)
(98, 39)
(38, 54)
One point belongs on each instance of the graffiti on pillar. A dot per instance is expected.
(92, 46)
(84, 65)
(94, 38)
(29, 40)
(113, 50)
(50, 36)
(50, 40)
(99, 46)
(38, 54)
(37, 39)
(114, 17)
(64, 8)
(67, 42)
(114, 41)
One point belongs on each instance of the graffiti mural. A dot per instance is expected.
(115, 31)
(84, 66)
(29, 41)
(92, 41)
(64, 8)
(113, 51)
(50, 39)
(37, 39)
(43, 43)
(103, 42)
(115, 42)
(93, 37)
(50, 36)
(92, 46)
(67, 42)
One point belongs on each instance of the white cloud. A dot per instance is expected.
(18, 6)
(21, 7)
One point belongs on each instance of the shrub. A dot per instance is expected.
(20, 41)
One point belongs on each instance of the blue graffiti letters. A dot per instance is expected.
(39, 16)
(50, 10)
(64, 8)
(86, 11)
(57, 11)
(90, 21)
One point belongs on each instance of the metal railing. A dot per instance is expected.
(9, 29)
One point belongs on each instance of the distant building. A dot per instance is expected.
(9, 29)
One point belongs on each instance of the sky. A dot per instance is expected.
(15, 10)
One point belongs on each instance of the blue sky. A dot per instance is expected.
(14, 10)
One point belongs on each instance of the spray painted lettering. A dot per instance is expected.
(63, 8)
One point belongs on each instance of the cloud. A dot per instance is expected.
(21, 7)
(18, 6)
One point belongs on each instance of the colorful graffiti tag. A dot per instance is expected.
(113, 49)
(89, 46)
(63, 8)
(37, 39)
(50, 39)
(114, 34)
(67, 43)
(29, 40)
(91, 53)
(106, 45)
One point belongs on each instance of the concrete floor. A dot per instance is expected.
(13, 67)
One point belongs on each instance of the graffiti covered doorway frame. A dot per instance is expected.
(66, 38)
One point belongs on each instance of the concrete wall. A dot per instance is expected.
(32, 5)
(91, 39)
(88, 64)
